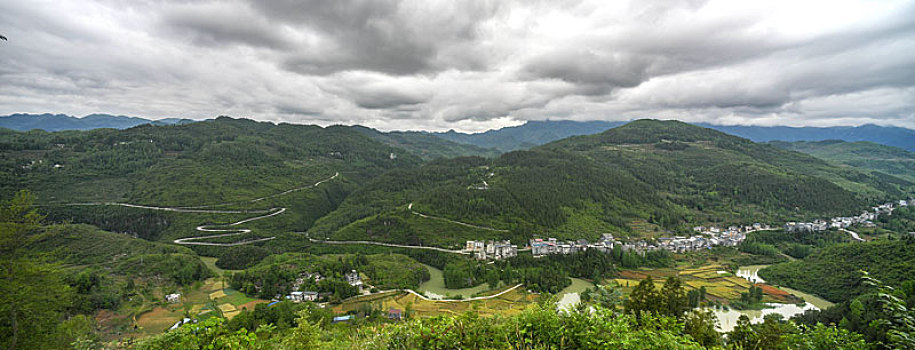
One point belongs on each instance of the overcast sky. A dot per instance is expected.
(464, 65)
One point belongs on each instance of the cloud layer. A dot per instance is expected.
(462, 64)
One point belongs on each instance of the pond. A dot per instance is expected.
(434, 288)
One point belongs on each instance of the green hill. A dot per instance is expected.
(866, 155)
(427, 146)
(84, 246)
(220, 164)
(639, 179)
(834, 272)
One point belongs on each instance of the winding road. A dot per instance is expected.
(226, 232)
(410, 207)
(313, 240)
(854, 235)
(232, 232)
(445, 300)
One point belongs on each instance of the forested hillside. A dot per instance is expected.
(639, 179)
(866, 155)
(531, 134)
(220, 164)
(427, 146)
(835, 272)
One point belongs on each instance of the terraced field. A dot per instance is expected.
(720, 284)
(507, 304)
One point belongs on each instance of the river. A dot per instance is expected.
(728, 319)
(571, 295)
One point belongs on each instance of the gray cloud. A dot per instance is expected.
(396, 37)
(223, 24)
(467, 65)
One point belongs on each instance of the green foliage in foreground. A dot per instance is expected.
(834, 272)
(539, 327)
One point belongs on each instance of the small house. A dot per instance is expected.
(354, 279)
(395, 314)
(298, 297)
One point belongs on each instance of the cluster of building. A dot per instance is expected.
(541, 247)
(709, 237)
(865, 218)
(299, 295)
(491, 250)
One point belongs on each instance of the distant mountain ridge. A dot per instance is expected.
(531, 134)
(61, 122)
(535, 133)
(884, 135)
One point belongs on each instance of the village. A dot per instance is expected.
(705, 237)
(866, 218)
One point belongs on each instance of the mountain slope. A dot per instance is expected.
(426, 145)
(639, 179)
(835, 272)
(531, 134)
(535, 133)
(60, 122)
(220, 164)
(867, 155)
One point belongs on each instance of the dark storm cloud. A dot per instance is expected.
(395, 37)
(468, 65)
(224, 24)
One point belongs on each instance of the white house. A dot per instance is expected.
(173, 298)
(299, 297)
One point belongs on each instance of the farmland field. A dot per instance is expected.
(507, 304)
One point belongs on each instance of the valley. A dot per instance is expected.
(246, 220)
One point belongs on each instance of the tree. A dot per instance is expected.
(607, 296)
(821, 337)
(645, 298)
(895, 317)
(304, 335)
(675, 299)
(701, 326)
(32, 294)
(743, 336)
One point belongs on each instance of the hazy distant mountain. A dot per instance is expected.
(884, 135)
(532, 133)
(535, 133)
(60, 122)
